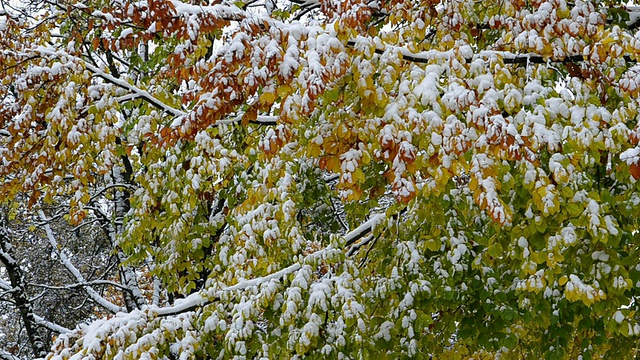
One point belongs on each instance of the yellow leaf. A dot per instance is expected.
(342, 131)
(313, 150)
(433, 244)
(358, 176)
(268, 98)
(563, 280)
(366, 157)
(284, 90)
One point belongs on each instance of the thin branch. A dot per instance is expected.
(305, 11)
(83, 224)
(337, 216)
(352, 250)
(19, 63)
(77, 285)
(330, 178)
(37, 297)
(366, 255)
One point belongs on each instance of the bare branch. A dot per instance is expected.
(74, 271)
(51, 326)
(84, 284)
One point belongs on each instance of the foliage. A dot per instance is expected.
(341, 179)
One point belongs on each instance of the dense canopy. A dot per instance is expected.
(320, 179)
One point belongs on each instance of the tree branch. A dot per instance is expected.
(77, 285)
(74, 271)
(426, 57)
(260, 120)
(353, 249)
(5, 285)
(199, 299)
(51, 326)
(196, 300)
(133, 89)
(363, 229)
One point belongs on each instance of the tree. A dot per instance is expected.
(446, 179)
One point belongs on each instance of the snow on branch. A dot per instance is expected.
(3, 354)
(363, 229)
(200, 299)
(77, 285)
(425, 57)
(353, 249)
(260, 120)
(218, 10)
(99, 328)
(134, 89)
(5, 285)
(74, 271)
(330, 177)
(39, 320)
(197, 299)
(7, 258)
(51, 326)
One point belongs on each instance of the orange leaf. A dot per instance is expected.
(634, 169)
(250, 115)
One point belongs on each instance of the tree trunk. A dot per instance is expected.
(19, 294)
